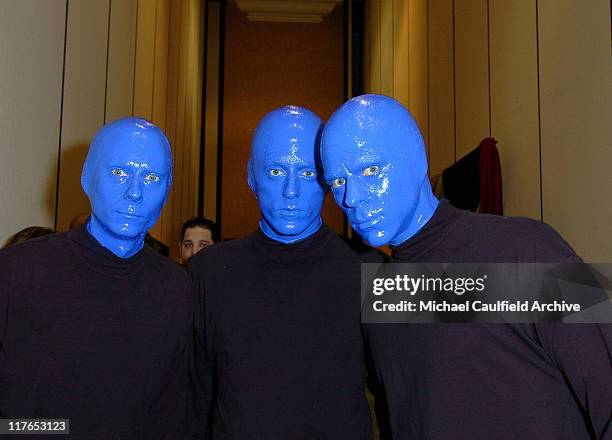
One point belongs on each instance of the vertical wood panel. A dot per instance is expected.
(176, 104)
(84, 95)
(441, 86)
(514, 103)
(576, 129)
(375, 51)
(120, 74)
(145, 59)
(181, 156)
(212, 112)
(171, 223)
(418, 63)
(32, 48)
(197, 56)
(402, 56)
(158, 92)
(194, 93)
(349, 50)
(160, 71)
(188, 208)
(366, 66)
(471, 75)
(386, 44)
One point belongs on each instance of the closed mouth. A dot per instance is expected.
(291, 212)
(366, 224)
(129, 215)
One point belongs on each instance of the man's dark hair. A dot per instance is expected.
(27, 234)
(200, 222)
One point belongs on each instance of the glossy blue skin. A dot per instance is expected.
(127, 175)
(374, 160)
(283, 174)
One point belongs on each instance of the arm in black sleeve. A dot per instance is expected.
(583, 354)
(174, 413)
(3, 308)
(202, 366)
(4, 302)
(375, 387)
(5, 282)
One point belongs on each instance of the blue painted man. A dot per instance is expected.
(377, 170)
(459, 380)
(281, 306)
(282, 173)
(94, 327)
(126, 176)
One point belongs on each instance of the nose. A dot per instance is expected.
(353, 194)
(134, 190)
(291, 189)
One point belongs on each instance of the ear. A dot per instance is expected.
(251, 178)
(85, 180)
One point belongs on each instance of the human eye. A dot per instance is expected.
(118, 172)
(338, 182)
(152, 177)
(308, 173)
(275, 172)
(371, 170)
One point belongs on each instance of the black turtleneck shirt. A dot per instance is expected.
(496, 381)
(283, 333)
(97, 339)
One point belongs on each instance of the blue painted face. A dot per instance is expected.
(127, 175)
(283, 173)
(374, 159)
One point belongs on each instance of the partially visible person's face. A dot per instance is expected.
(283, 171)
(374, 162)
(129, 180)
(196, 239)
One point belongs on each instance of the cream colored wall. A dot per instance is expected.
(514, 102)
(396, 53)
(84, 95)
(441, 85)
(69, 66)
(31, 49)
(535, 75)
(576, 123)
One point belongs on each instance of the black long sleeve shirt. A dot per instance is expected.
(99, 340)
(282, 330)
(497, 381)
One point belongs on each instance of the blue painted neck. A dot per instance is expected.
(120, 247)
(288, 239)
(426, 206)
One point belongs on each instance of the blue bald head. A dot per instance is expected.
(284, 174)
(126, 176)
(375, 162)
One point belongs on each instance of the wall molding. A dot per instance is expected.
(292, 11)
